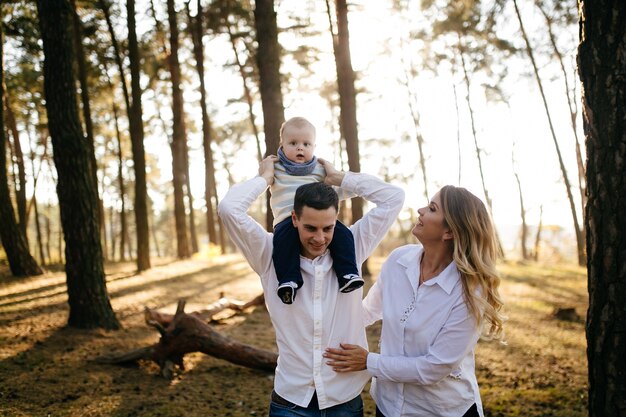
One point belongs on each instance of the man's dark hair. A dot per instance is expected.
(316, 195)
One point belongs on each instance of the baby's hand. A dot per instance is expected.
(266, 168)
(333, 177)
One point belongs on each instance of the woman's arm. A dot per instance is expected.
(456, 338)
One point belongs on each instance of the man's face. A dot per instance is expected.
(316, 229)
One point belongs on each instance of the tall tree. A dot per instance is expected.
(568, 188)
(179, 138)
(268, 61)
(21, 261)
(210, 196)
(82, 78)
(76, 187)
(136, 138)
(104, 5)
(20, 188)
(570, 93)
(410, 72)
(601, 63)
(347, 95)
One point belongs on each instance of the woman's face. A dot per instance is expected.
(430, 224)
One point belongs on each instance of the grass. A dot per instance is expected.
(46, 368)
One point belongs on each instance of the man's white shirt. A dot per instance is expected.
(320, 316)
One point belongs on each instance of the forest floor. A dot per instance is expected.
(46, 368)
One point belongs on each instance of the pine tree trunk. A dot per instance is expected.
(76, 187)
(20, 260)
(458, 131)
(246, 91)
(196, 29)
(20, 189)
(136, 138)
(112, 232)
(120, 180)
(103, 229)
(601, 63)
(84, 87)
(347, 98)
(48, 234)
(348, 125)
(193, 237)
(524, 231)
(415, 115)
(42, 256)
(178, 138)
(568, 188)
(268, 61)
(571, 104)
(475, 136)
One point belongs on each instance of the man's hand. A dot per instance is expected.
(266, 168)
(333, 177)
(347, 359)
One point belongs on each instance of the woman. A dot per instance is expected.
(435, 300)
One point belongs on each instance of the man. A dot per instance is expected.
(321, 316)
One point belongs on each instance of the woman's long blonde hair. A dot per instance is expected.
(475, 254)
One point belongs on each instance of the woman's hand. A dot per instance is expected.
(266, 168)
(333, 177)
(347, 359)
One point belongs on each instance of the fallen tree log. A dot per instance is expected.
(164, 319)
(187, 333)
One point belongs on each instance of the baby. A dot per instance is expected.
(299, 166)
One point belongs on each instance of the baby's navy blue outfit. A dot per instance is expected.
(288, 176)
(286, 254)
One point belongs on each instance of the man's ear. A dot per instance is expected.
(294, 219)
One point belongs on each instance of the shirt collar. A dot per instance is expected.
(447, 279)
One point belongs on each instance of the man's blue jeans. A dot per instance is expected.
(352, 408)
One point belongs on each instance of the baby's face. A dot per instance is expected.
(298, 144)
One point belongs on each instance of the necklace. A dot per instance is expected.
(422, 278)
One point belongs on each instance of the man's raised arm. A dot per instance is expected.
(370, 230)
(249, 236)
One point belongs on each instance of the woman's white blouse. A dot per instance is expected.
(426, 362)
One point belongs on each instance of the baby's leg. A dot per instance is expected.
(344, 259)
(286, 257)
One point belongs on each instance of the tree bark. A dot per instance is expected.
(76, 187)
(84, 88)
(134, 111)
(571, 104)
(196, 29)
(193, 237)
(347, 97)
(246, 90)
(601, 63)
(268, 61)
(20, 260)
(122, 187)
(475, 136)
(136, 138)
(178, 138)
(187, 333)
(20, 189)
(568, 188)
(207, 314)
(415, 115)
(42, 255)
(522, 209)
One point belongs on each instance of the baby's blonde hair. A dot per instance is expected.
(297, 122)
(475, 255)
